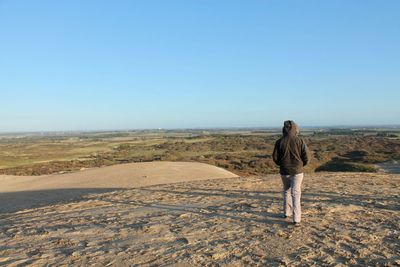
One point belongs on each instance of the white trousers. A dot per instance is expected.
(292, 195)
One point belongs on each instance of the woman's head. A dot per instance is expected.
(290, 128)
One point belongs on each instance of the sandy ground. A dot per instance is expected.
(23, 192)
(349, 219)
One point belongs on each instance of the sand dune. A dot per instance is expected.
(350, 219)
(117, 176)
(20, 192)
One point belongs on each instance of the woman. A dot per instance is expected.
(291, 154)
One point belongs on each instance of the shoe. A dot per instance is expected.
(296, 224)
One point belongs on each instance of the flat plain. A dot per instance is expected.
(244, 152)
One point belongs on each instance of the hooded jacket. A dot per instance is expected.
(290, 152)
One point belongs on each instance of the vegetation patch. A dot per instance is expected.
(246, 153)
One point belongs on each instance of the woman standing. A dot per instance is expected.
(291, 155)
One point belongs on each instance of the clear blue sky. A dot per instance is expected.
(84, 65)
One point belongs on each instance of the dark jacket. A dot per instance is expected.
(290, 152)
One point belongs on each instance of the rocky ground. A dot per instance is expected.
(348, 220)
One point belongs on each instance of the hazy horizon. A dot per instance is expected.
(99, 65)
(277, 127)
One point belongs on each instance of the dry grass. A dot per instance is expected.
(248, 153)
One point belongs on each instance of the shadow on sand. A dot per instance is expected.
(17, 201)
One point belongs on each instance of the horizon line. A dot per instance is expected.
(334, 126)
